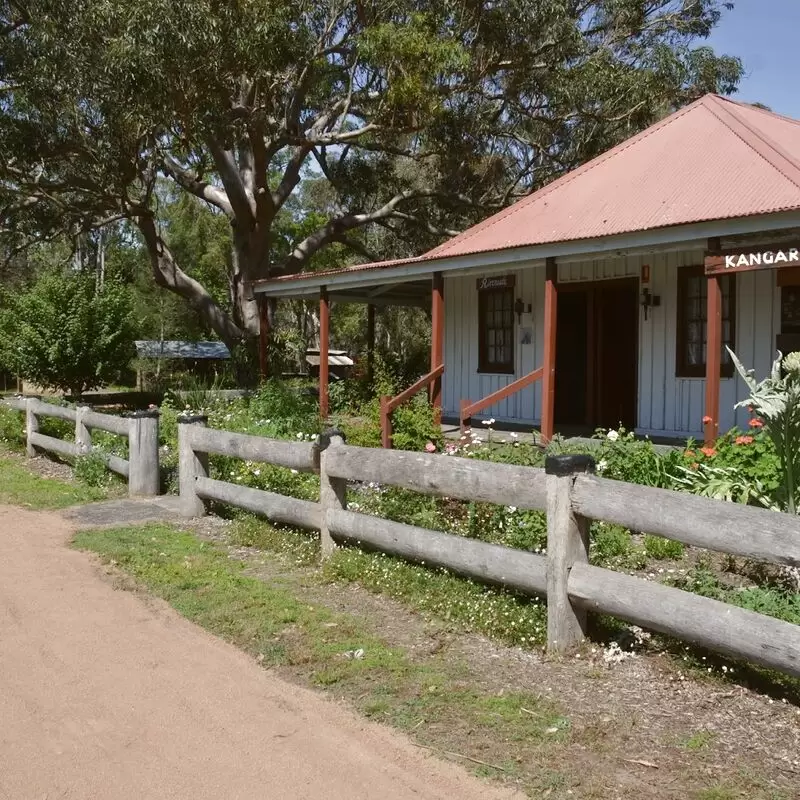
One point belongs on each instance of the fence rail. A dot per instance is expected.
(141, 468)
(571, 496)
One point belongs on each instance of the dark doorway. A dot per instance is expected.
(597, 354)
(572, 342)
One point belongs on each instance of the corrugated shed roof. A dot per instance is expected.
(715, 159)
(336, 358)
(159, 349)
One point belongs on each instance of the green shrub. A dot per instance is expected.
(91, 470)
(658, 547)
(12, 427)
(612, 545)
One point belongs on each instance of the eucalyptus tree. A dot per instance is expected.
(421, 116)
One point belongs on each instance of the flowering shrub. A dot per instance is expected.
(775, 404)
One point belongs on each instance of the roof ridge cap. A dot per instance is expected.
(562, 180)
(763, 144)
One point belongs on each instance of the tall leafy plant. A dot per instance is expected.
(775, 403)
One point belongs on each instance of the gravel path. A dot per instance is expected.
(110, 694)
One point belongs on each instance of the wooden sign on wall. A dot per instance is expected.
(496, 282)
(761, 257)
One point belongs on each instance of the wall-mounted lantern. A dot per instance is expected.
(649, 301)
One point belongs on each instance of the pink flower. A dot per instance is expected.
(743, 440)
(430, 447)
(707, 420)
(708, 452)
(756, 423)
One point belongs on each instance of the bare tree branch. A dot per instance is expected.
(243, 206)
(187, 180)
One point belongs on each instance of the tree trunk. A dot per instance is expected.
(169, 275)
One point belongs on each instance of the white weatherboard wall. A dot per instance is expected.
(667, 405)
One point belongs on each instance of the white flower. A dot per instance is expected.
(256, 472)
(300, 435)
(513, 435)
(512, 509)
(602, 464)
(612, 436)
(488, 421)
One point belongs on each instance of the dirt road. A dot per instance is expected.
(106, 694)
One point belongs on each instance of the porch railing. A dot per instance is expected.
(389, 404)
(468, 409)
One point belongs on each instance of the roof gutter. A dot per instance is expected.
(670, 238)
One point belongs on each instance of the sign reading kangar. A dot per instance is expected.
(738, 261)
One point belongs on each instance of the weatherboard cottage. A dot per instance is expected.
(612, 294)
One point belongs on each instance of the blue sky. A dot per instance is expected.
(764, 34)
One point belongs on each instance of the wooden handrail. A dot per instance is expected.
(469, 409)
(389, 404)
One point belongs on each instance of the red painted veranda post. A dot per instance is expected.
(549, 365)
(324, 346)
(713, 352)
(437, 341)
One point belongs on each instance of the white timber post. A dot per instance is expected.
(332, 491)
(145, 478)
(191, 465)
(567, 544)
(83, 436)
(31, 425)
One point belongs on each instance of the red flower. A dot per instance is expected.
(430, 447)
(756, 423)
(688, 454)
(707, 420)
(708, 452)
(743, 440)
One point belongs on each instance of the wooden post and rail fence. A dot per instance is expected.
(566, 489)
(140, 469)
(571, 495)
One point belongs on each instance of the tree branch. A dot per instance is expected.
(168, 275)
(243, 206)
(191, 183)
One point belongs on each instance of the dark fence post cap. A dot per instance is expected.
(191, 419)
(145, 413)
(569, 465)
(324, 439)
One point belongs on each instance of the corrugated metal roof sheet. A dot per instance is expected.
(715, 159)
(158, 349)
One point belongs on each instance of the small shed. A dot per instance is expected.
(339, 363)
(195, 357)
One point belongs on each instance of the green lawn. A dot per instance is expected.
(20, 487)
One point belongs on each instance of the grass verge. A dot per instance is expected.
(20, 487)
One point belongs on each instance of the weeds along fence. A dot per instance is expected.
(571, 496)
(140, 469)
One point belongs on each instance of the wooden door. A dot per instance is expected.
(616, 349)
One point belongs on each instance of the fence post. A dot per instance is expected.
(567, 544)
(332, 491)
(191, 465)
(31, 426)
(144, 479)
(83, 436)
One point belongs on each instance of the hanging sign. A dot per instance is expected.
(752, 259)
(496, 282)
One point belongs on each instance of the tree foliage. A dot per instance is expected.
(65, 334)
(414, 119)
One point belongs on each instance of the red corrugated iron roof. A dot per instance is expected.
(714, 159)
